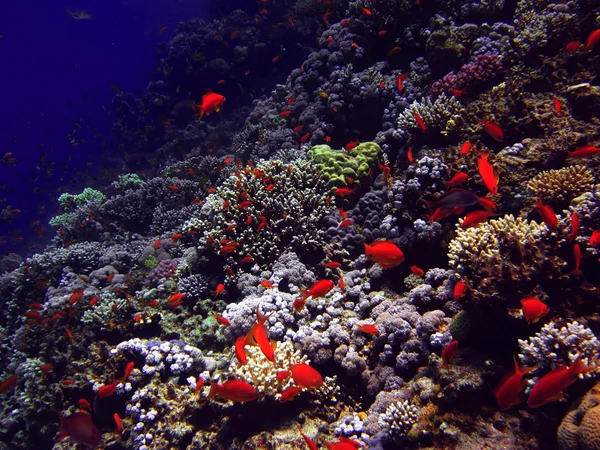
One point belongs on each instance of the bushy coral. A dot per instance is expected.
(443, 115)
(560, 186)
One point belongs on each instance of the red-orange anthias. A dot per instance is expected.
(448, 353)
(551, 386)
(319, 289)
(385, 253)
(210, 102)
(80, 428)
(548, 215)
(305, 376)
(508, 392)
(489, 175)
(234, 390)
(258, 335)
(533, 309)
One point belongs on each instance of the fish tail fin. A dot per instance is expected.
(431, 206)
(304, 293)
(520, 368)
(64, 432)
(579, 367)
(367, 249)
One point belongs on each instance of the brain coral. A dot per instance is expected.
(580, 429)
(562, 185)
(337, 165)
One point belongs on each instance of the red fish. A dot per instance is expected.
(128, 368)
(399, 79)
(386, 171)
(487, 204)
(240, 350)
(176, 297)
(533, 309)
(234, 390)
(76, 296)
(548, 215)
(107, 390)
(285, 113)
(333, 265)
(344, 443)
(210, 102)
(475, 218)
(592, 39)
(305, 138)
(558, 107)
(551, 386)
(247, 259)
(417, 271)
(448, 354)
(342, 284)
(219, 290)
(222, 320)
(367, 12)
(119, 423)
(8, 384)
(70, 335)
(346, 223)
(595, 238)
(419, 121)
(352, 144)
(258, 333)
(289, 394)
(283, 375)
(410, 156)
(309, 442)
(508, 392)
(305, 376)
(460, 289)
(577, 258)
(573, 46)
(574, 227)
(493, 129)
(369, 329)
(199, 385)
(465, 148)
(80, 428)
(488, 174)
(385, 253)
(319, 289)
(84, 404)
(344, 192)
(228, 248)
(584, 152)
(162, 29)
(458, 179)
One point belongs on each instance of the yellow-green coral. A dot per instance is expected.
(338, 165)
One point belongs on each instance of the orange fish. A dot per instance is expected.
(289, 394)
(577, 258)
(595, 238)
(346, 223)
(161, 30)
(460, 289)
(156, 244)
(574, 227)
(386, 172)
(285, 113)
(247, 259)
(548, 215)
(283, 375)
(417, 271)
(333, 265)
(128, 368)
(367, 11)
(399, 79)
(533, 309)
(234, 390)
(210, 102)
(76, 296)
(107, 390)
(266, 284)
(199, 385)
(228, 248)
(352, 144)
(219, 290)
(305, 376)
(573, 46)
(385, 253)
(551, 386)
(458, 179)
(487, 204)
(304, 138)
(84, 404)
(489, 175)
(420, 122)
(508, 392)
(342, 284)
(173, 187)
(448, 354)
(475, 218)
(369, 329)
(309, 442)
(493, 129)
(176, 297)
(584, 152)
(344, 443)
(8, 384)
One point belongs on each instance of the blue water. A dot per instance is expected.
(56, 71)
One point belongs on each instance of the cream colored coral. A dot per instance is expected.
(580, 429)
(562, 185)
(482, 242)
(262, 373)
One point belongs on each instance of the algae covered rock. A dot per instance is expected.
(338, 165)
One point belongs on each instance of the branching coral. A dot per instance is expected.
(265, 211)
(443, 115)
(562, 185)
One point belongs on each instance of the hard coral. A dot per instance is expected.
(580, 428)
(444, 115)
(562, 185)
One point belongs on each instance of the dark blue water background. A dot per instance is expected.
(57, 70)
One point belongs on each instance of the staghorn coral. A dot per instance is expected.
(562, 185)
(443, 115)
(398, 419)
(580, 428)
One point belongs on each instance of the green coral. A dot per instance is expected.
(127, 181)
(77, 207)
(151, 262)
(338, 165)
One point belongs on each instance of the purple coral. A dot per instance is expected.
(480, 69)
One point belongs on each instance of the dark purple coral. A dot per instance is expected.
(481, 69)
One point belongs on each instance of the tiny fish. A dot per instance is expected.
(448, 354)
(548, 215)
(460, 289)
(417, 271)
(533, 309)
(369, 329)
(234, 390)
(493, 129)
(289, 394)
(419, 121)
